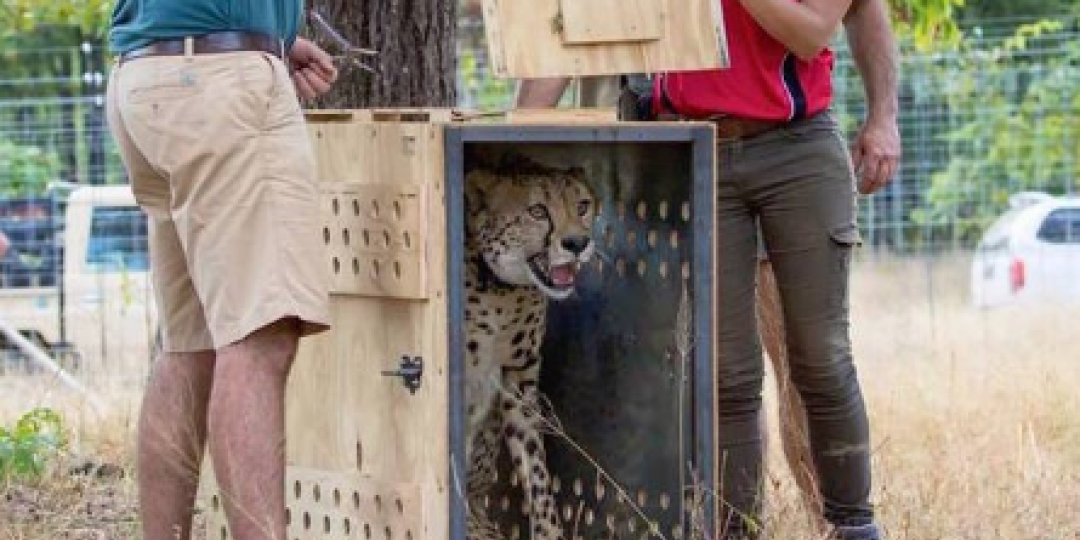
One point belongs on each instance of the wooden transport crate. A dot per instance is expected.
(375, 413)
(547, 38)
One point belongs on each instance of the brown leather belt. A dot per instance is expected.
(732, 128)
(217, 42)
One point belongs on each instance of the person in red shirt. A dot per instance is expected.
(784, 167)
(785, 171)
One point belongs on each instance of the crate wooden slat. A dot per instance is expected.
(526, 39)
(384, 442)
(623, 20)
(384, 439)
(331, 505)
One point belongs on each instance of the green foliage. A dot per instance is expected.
(27, 169)
(1019, 128)
(976, 11)
(21, 16)
(927, 24)
(488, 92)
(27, 447)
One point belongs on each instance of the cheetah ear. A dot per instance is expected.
(577, 172)
(478, 184)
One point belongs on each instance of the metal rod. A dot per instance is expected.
(41, 358)
(337, 37)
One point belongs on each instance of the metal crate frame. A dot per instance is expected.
(701, 139)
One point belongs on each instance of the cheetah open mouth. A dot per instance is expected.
(556, 281)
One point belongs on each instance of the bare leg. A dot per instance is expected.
(247, 430)
(171, 441)
(793, 429)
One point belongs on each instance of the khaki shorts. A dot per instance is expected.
(219, 159)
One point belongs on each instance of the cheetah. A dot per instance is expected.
(528, 231)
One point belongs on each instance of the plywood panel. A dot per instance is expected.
(344, 414)
(525, 40)
(606, 21)
(563, 116)
(376, 239)
(344, 151)
(397, 114)
(335, 505)
(374, 176)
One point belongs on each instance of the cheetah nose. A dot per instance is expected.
(575, 244)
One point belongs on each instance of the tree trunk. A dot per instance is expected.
(415, 66)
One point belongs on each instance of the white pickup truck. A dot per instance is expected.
(91, 307)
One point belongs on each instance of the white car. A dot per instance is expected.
(107, 316)
(1030, 254)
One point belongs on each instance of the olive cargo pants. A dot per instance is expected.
(797, 182)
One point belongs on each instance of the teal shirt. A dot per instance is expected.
(136, 23)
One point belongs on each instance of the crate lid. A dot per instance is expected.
(559, 38)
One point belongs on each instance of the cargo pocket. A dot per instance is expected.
(845, 239)
(846, 236)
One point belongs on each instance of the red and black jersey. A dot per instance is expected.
(765, 81)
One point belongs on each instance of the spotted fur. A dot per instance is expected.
(528, 231)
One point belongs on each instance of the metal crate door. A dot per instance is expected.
(627, 363)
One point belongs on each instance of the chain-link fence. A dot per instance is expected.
(994, 119)
(73, 267)
(1000, 117)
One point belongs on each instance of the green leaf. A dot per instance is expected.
(27, 447)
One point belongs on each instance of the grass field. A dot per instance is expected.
(975, 414)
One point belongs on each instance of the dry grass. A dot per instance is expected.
(975, 418)
(87, 493)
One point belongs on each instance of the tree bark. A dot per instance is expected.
(416, 41)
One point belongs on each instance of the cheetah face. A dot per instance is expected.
(533, 229)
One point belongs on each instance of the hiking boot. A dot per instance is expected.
(869, 531)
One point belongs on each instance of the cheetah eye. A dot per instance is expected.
(583, 207)
(538, 211)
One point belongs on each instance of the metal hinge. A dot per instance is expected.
(411, 370)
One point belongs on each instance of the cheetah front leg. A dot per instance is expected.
(481, 478)
(480, 527)
(524, 439)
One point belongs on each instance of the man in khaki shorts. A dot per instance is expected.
(204, 108)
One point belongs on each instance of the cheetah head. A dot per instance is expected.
(532, 228)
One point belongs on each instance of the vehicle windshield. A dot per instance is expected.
(1062, 226)
(118, 240)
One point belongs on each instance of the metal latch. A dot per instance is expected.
(410, 370)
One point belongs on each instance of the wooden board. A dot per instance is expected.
(609, 21)
(350, 428)
(334, 505)
(375, 237)
(343, 413)
(562, 116)
(374, 177)
(525, 40)
(397, 114)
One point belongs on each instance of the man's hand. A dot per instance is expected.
(313, 69)
(876, 151)
(876, 154)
